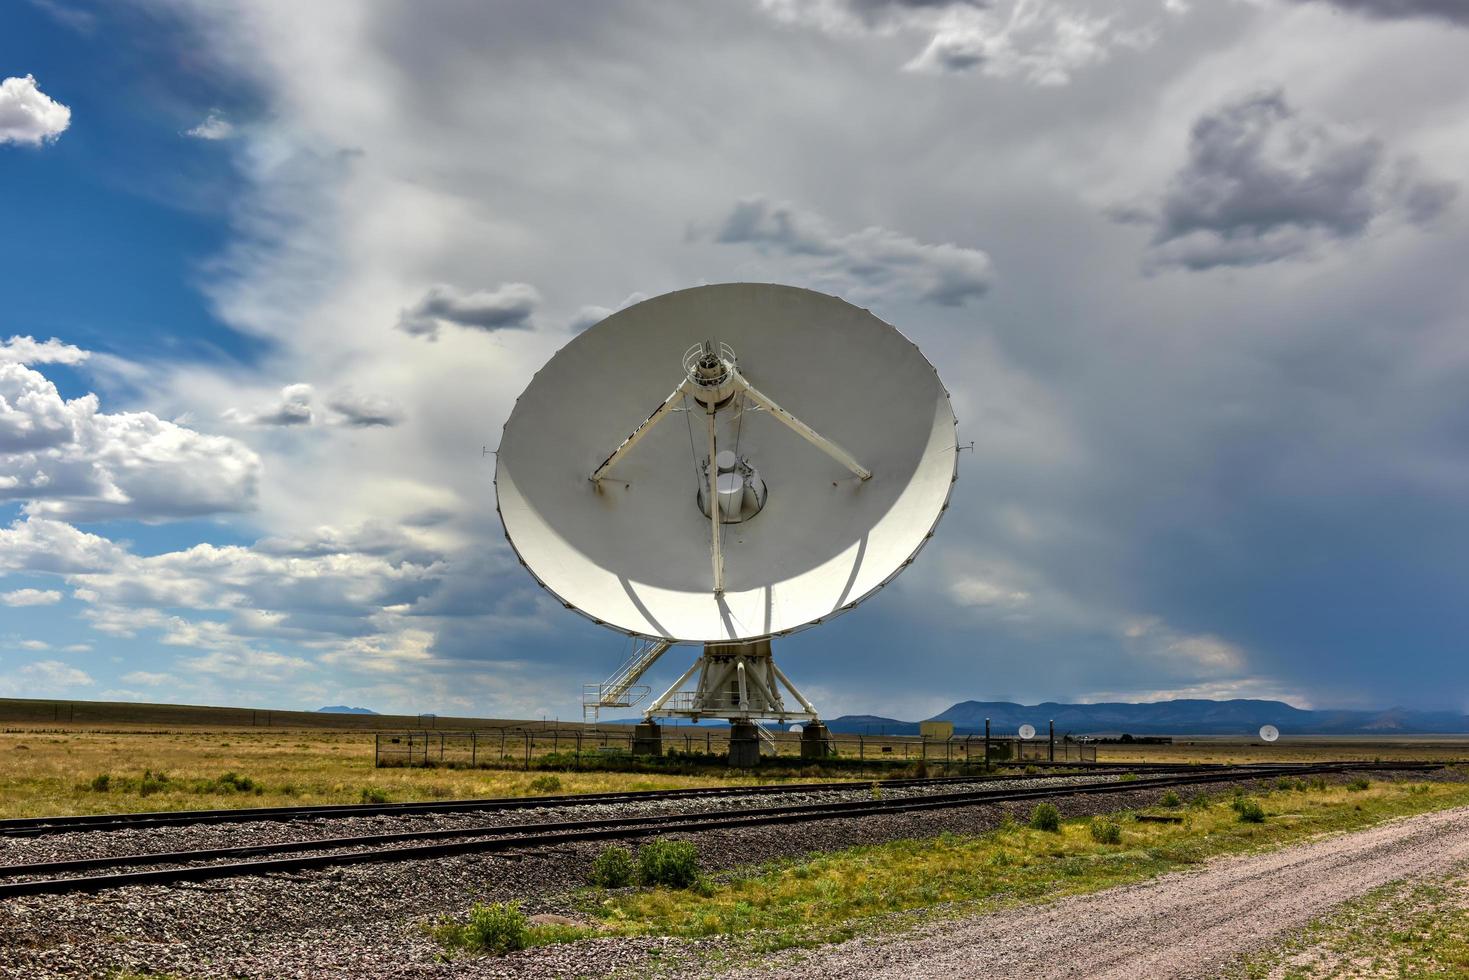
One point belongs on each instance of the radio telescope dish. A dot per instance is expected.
(1027, 731)
(1269, 732)
(723, 465)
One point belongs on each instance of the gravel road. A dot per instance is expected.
(1190, 924)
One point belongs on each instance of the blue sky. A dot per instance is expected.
(1192, 272)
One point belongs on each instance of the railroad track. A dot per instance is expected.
(77, 876)
(41, 826)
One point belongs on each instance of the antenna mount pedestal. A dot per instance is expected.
(736, 681)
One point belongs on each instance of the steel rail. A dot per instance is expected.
(39, 826)
(461, 840)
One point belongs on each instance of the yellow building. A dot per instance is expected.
(939, 730)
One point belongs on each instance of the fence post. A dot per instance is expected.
(376, 748)
(861, 748)
(578, 749)
(473, 749)
(527, 751)
(1053, 739)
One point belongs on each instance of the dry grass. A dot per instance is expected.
(48, 773)
(1307, 748)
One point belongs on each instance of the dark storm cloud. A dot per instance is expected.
(1265, 182)
(871, 259)
(508, 307)
(364, 411)
(874, 11)
(1454, 11)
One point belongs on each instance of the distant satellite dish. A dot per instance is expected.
(1269, 732)
(723, 465)
(798, 728)
(1027, 731)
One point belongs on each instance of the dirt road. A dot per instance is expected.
(1190, 924)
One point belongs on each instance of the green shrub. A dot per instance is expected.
(613, 868)
(101, 783)
(1358, 784)
(1318, 783)
(1127, 777)
(1169, 798)
(674, 863)
(496, 928)
(545, 784)
(1045, 816)
(1105, 831)
(1030, 770)
(1249, 811)
(234, 781)
(152, 782)
(1201, 801)
(372, 794)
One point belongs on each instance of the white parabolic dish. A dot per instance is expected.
(1269, 733)
(1027, 731)
(633, 552)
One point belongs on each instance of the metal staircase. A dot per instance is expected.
(622, 690)
(767, 740)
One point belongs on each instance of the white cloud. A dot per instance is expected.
(28, 115)
(397, 652)
(44, 677)
(257, 666)
(507, 307)
(873, 261)
(70, 460)
(973, 591)
(30, 597)
(1042, 42)
(29, 350)
(1201, 653)
(214, 126)
(39, 545)
(149, 678)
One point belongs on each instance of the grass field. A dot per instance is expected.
(45, 773)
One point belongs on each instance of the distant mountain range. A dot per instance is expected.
(1194, 716)
(342, 709)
